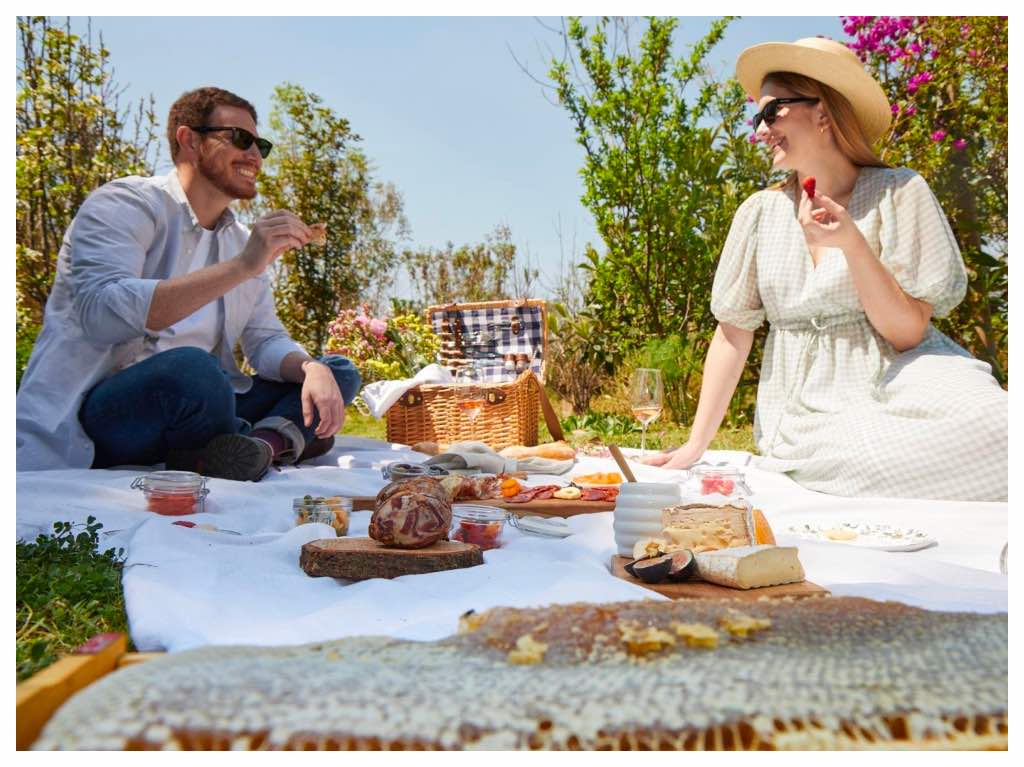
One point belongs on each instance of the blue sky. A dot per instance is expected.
(444, 111)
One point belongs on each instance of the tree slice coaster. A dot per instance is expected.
(359, 559)
(705, 590)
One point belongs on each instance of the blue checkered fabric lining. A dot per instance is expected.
(486, 336)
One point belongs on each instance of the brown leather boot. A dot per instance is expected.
(226, 456)
(316, 448)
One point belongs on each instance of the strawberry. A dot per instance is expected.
(809, 183)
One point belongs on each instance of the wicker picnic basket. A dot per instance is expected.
(485, 332)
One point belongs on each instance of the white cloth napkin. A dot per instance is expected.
(381, 395)
(480, 457)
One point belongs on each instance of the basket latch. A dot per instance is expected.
(412, 398)
(494, 396)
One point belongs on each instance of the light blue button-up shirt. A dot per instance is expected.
(127, 236)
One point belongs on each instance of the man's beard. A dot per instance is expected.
(223, 179)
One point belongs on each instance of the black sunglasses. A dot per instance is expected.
(240, 138)
(770, 111)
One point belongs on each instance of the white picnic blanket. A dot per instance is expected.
(189, 587)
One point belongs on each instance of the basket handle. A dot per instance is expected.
(550, 417)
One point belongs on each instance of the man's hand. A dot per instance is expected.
(680, 458)
(271, 236)
(320, 391)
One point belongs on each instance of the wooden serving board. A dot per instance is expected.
(359, 559)
(553, 507)
(704, 590)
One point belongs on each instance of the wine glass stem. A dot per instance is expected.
(643, 439)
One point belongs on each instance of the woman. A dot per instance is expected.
(859, 394)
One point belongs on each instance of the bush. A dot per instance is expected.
(574, 371)
(383, 348)
(67, 591)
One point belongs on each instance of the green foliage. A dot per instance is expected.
(667, 163)
(316, 172)
(575, 367)
(948, 78)
(486, 271)
(591, 425)
(67, 590)
(70, 138)
(26, 330)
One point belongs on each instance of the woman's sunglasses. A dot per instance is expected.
(240, 138)
(770, 111)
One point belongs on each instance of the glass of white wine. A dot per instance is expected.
(646, 399)
(469, 395)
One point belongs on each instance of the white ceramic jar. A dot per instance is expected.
(638, 512)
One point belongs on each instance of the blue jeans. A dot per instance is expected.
(181, 399)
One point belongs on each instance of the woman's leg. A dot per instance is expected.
(177, 399)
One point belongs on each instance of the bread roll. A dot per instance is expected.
(428, 448)
(558, 451)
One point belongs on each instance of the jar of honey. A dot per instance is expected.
(173, 493)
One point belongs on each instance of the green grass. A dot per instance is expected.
(659, 435)
(67, 591)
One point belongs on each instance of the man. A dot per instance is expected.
(156, 284)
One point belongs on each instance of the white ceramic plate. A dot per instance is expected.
(867, 535)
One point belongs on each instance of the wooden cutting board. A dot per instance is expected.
(359, 559)
(703, 590)
(553, 507)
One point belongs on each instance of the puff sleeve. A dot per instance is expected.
(735, 297)
(918, 246)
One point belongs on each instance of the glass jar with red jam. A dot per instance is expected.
(481, 525)
(173, 493)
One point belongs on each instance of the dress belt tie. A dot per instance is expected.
(813, 328)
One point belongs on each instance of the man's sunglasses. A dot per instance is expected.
(240, 138)
(770, 111)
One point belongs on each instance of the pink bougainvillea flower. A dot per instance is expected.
(960, 143)
(895, 109)
(911, 109)
(753, 138)
(939, 135)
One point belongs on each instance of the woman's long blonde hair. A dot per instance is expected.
(846, 128)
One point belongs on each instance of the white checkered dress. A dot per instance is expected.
(838, 408)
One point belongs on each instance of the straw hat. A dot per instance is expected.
(826, 61)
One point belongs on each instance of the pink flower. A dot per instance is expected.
(378, 327)
(753, 138)
(911, 109)
(939, 136)
(361, 320)
(895, 109)
(960, 143)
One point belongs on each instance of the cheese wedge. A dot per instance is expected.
(750, 567)
(698, 527)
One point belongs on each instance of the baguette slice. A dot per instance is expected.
(558, 451)
(750, 567)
